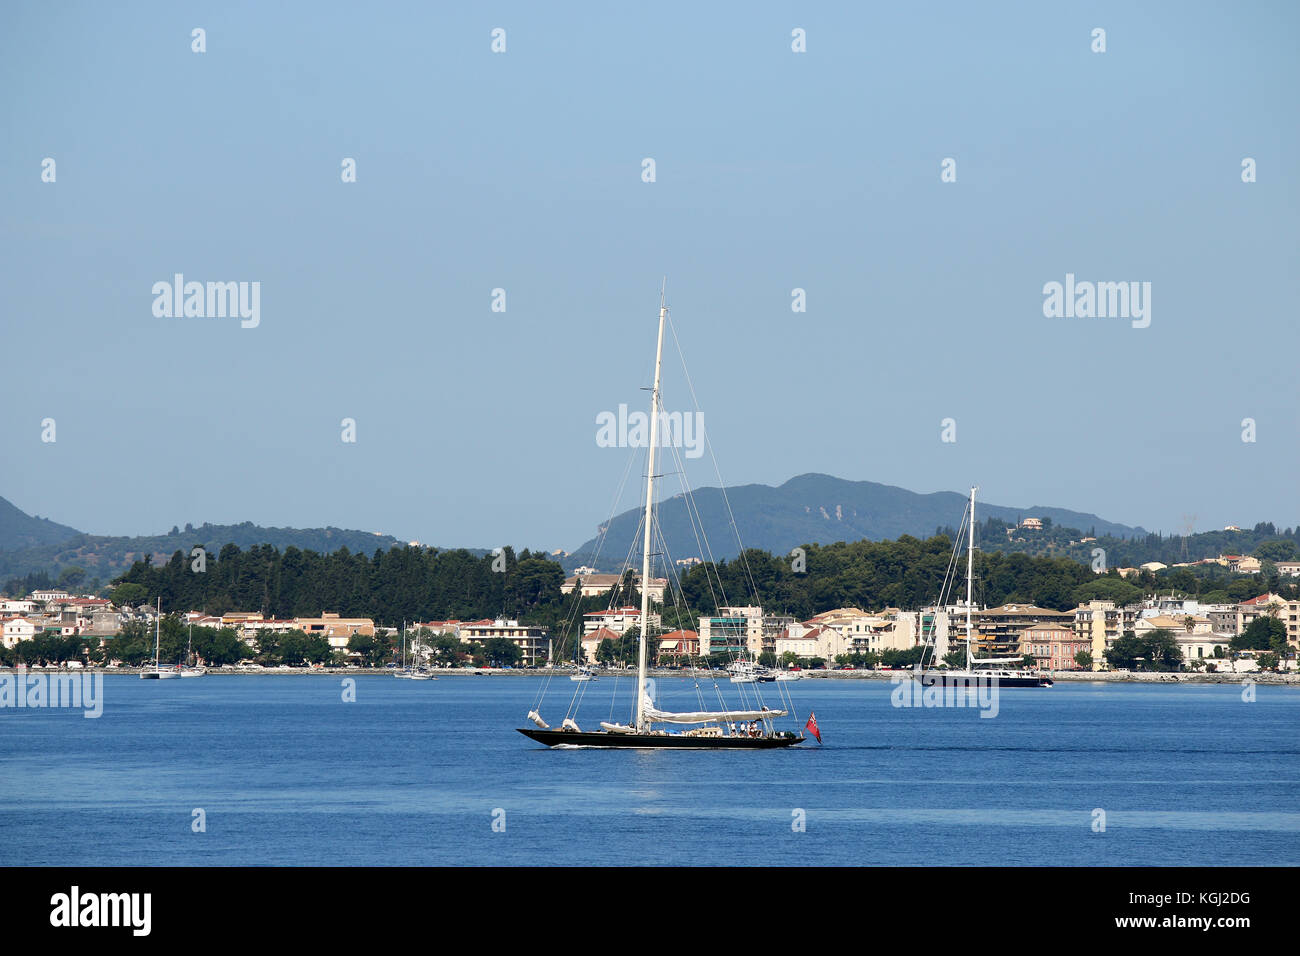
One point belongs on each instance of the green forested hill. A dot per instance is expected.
(102, 558)
(816, 509)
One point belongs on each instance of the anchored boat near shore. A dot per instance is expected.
(979, 669)
(158, 673)
(741, 729)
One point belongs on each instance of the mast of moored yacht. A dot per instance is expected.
(970, 560)
(641, 721)
(157, 634)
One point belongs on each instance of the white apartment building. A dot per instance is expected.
(734, 627)
(17, 629)
(617, 620)
(594, 584)
(532, 639)
(1101, 623)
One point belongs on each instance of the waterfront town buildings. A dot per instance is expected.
(1052, 638)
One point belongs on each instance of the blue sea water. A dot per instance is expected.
(415, 773)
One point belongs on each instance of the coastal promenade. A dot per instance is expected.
(1139, 677)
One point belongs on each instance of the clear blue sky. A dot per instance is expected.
(522, 170)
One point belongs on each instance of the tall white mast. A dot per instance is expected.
(642, 724)
(157, 633)
(970, 561)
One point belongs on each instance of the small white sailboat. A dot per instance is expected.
(584, 673)
(190, 669)
(157, 673)
(405, 672)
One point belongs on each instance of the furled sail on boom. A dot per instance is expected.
(704, 716)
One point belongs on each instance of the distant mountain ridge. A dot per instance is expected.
(21, 530)
(815, 509)
(30, 545)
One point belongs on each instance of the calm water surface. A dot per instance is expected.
(412, 772)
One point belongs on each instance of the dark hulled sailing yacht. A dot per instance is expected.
(749, 729)
(987, 669)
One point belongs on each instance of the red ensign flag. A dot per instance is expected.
(811, 726)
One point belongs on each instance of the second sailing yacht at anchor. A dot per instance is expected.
(158, 673)
(978, 669)
(748, 729)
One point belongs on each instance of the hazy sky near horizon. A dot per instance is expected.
(523, 171)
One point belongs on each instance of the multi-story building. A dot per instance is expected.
(679, 645)
(939, 626)
(15, 629)
(1053, 646)
(617, 620)
(337, 630)
(103, 623)
(1170, 605)
(1179, 624)
(733, 628)
(998, 629)
(807, 644)
(1290, 616)
(594, 584)
(1100, 624)
(1223, 617)
(1240, 563)
(533, 640)
(1271, 605)
(1204, 645)
(861, 633)
(592, 640)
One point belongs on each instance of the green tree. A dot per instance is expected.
(1084, 660)
(270, 647)
(1282, 549)
(375, 650)
(502, 652)
(132, 646)
(1160, 651)
(1108, 588)
(448, 650)
(129, 595)
(72, 577)
(1263, 633)
(1124, 653)
(221, 647)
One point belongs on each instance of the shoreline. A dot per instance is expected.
(1105, 677)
